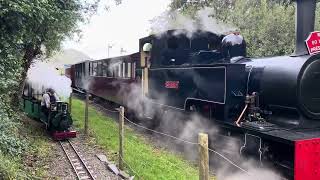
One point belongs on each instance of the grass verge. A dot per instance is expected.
(146, 161)
(37, 157)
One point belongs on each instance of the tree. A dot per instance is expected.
(29, 28)
(267, 25)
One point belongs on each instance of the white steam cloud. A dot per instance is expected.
(202, 21)
(187, 127)
(254, 173)
(42, 76)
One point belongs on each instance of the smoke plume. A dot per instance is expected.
(203, 20)
(42, 76)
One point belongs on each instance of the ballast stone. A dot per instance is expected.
(124, 175)
(103, 158)
(113, 168)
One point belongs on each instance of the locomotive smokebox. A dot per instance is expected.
(305, 17)
(309, 87)
(286, 82)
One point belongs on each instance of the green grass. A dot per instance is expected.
(39, 153)
(147, 161)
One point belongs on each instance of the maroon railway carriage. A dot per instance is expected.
(107, 78)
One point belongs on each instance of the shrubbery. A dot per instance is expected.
(11, 144)
(29, 29)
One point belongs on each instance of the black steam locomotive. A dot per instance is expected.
(271, 104)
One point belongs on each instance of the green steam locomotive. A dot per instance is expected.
(56, 117)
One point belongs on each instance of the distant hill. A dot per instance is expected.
(68, 56)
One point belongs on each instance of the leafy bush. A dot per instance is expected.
(29, 29)
(9, 136)
(9, 167)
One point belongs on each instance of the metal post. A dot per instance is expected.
(70, 102)
(203, 157)
(109, 47)
(86, 114)
(121, 136)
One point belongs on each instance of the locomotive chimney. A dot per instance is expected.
(305, 17)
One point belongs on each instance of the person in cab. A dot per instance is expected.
(48, 98)
(233, 45)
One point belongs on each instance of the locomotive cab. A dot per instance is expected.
(177, 47)
(190, 70)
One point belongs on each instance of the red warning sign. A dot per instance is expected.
(313, 43)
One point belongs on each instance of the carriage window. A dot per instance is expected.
(91, 69)
(94, 69)
(83, 69)
(123, 70)
(90, 65)
(114, 70)
(134, 70)
(120, 70)
(104, 69)
(129, 70)
(109, 72)
(100, 68)
(78, 71)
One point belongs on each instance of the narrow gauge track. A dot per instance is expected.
(77, 163)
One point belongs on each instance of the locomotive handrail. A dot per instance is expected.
(248, 79)
(241, 115)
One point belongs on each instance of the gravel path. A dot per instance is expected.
(57, 164)
(60, 167)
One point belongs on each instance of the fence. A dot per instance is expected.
(203, 149)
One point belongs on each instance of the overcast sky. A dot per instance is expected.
(121, 26)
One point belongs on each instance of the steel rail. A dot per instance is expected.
(79, 158)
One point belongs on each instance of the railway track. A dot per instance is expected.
(78, 164)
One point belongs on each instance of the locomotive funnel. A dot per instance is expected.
(305, 17)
